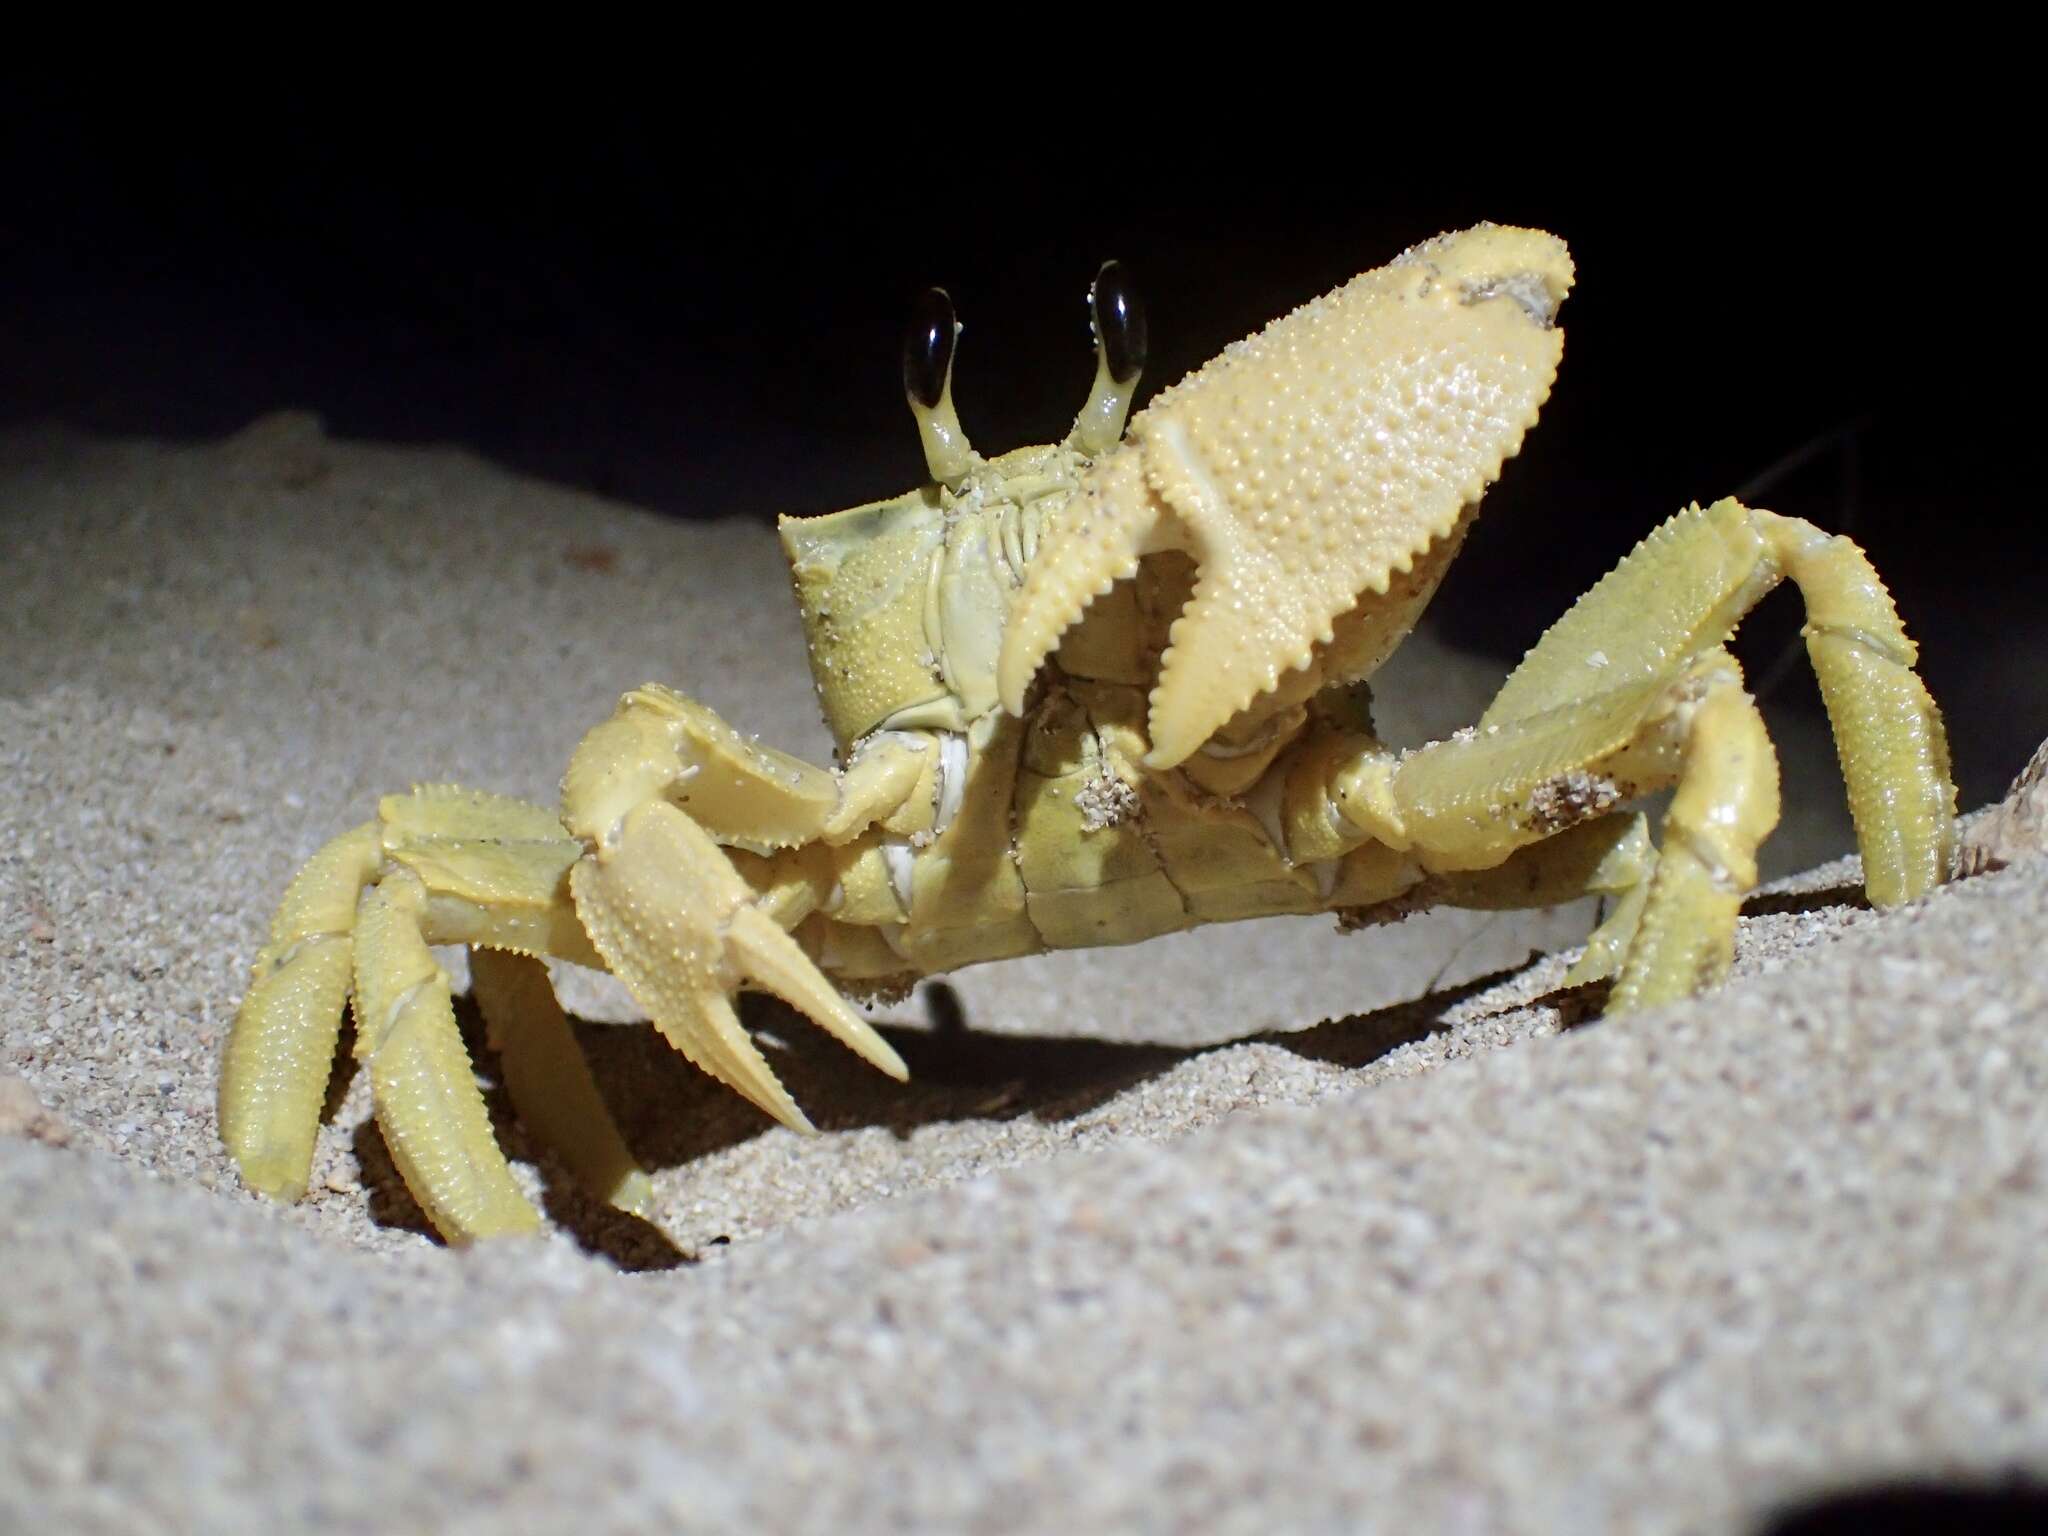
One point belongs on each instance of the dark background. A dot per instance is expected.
(698, 319)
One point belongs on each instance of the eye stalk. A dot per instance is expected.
(928, 346)
(1117, 318)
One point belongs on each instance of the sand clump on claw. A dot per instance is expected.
(1306, 466)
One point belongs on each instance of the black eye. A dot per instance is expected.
(928, 348)
(1119, 322)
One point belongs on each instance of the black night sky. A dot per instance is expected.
(707, 325)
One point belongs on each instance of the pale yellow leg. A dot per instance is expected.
(632, 883)
(496, 870)
(548, 1079)
(663, 745)
(1725, 805)
(428, 1104)
(1532, 778)
(1469, 802)
(275, 1068)
(1683, 590)
(1629, 690)
(1608, 944)
(1888, 730)
(1606, 856)
(440, 865)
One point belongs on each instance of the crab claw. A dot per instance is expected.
(675, 921)
(1305, 467)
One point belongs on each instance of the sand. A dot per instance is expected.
(1260, 1228)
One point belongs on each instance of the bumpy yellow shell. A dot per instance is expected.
(1306, 467)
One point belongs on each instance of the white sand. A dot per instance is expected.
(1651, 1275)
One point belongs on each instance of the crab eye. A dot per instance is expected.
(1119, 319)
(928, 348)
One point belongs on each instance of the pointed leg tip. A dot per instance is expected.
(277, 1173)
(633, 1194)
(286, 1189)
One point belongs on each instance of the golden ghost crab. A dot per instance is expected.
(1092, 692)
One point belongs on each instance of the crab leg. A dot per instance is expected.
(1608, 856)
(1684, 589)
(548, 1079)
(1725, 805)
(1630, 690)
(440, 865)
(278, 1057)
(428, 1104)
(1888, 729)
(1671, 708)
(1462, 801)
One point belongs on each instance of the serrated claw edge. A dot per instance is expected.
(1306, 466)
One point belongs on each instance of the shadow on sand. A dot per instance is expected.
(673, 1115)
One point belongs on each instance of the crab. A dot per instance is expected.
(1088, 693)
